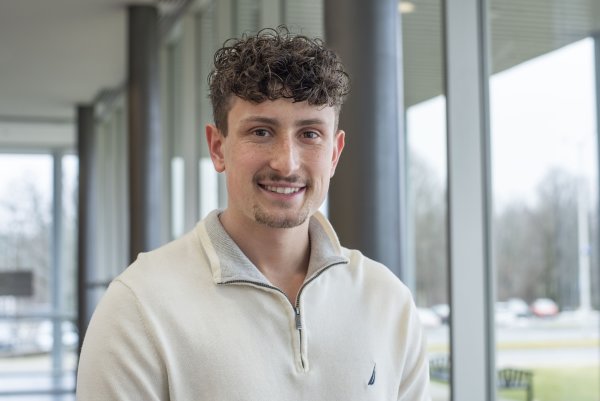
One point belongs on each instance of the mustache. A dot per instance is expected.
(274, 177)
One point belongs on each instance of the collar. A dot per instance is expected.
(228, 262)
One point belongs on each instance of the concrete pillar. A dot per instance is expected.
(145, 152)
(364, 200)
(85, 214)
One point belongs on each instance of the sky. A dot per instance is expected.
(542, 115)
(17, 171)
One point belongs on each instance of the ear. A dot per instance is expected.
(216, 140)
(338, 145)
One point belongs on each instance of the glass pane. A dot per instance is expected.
(70, 176)
(208, 177)
(425, 115)
(37, 295)
(247, 16)
(545, 175)
(176, 136)
(304, 16)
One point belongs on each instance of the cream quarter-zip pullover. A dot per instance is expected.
(195, 320)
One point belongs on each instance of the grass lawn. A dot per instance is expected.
(561, 384)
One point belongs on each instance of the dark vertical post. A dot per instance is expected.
(145, 157)
(85, 238)
(364, 202)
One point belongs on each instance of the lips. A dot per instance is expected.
(287, 186)
(282, 190)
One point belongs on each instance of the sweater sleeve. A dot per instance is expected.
(414, 384)
(119, 359)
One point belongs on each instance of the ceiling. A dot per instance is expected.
(520, 30)
(55, 54)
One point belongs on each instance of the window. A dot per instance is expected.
(425, 116)
(37, 242)
(545, 175)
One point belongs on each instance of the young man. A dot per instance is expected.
(260, 302)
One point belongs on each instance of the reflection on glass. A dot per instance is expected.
(426, 131)
(545, 193)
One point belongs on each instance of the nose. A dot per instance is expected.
(285, 157)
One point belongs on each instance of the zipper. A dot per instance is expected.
(296, 306)
(299, 328)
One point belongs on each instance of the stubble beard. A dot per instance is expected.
(272, 220)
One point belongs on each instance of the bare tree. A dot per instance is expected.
(428, 200)
(25, 235)
(536, 246)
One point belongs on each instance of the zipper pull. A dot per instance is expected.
(298, 320)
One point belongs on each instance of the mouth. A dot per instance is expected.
(282, 190)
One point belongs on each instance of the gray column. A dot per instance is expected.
(364, 199)
(469, 202)
(145, 154)
(85, 215)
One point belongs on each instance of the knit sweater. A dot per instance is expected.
(196, 320)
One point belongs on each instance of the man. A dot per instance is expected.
(260, 302)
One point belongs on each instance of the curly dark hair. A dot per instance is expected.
(275, 64)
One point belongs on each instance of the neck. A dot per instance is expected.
(281, 254)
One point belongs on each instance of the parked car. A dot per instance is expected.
(544, 307)
(503, 315)
(518, 307)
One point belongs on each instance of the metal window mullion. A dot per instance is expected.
(190, 135)
(57, 262)
(112, 190)
(121, 211)
(101, 210)
(469, 206)
(596, 38)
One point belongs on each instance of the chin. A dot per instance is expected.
(287, 220)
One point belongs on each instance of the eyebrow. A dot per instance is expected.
(275, 122)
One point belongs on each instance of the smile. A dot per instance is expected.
(282, 190)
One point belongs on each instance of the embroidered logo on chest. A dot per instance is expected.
(372, 379)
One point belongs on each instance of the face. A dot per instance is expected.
(278, 157)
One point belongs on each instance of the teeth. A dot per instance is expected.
(282, 190)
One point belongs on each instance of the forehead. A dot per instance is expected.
(280, 111)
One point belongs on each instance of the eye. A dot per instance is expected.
(310, 135)
(261, 133)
